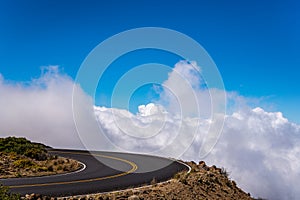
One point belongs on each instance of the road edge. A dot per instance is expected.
(132, 188)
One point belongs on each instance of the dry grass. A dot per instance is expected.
(13, 165)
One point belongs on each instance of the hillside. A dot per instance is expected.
(21, 158)
(203, 182)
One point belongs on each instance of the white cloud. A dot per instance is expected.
(40, 110)
(261, 149)
(185, 92)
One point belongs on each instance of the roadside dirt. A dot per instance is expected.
(13, 165)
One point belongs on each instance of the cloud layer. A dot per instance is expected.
(40, 110)
(261, 149)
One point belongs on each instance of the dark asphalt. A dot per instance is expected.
(128, 170)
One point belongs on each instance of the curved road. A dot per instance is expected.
(97, 176)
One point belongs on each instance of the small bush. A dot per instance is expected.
(50, 168)
(177, 176)
(61, 161)
(23, 163)
(42, 169)
(65, 168)
(153, 181)
(5, 195)
(224, 172)
(18, 175)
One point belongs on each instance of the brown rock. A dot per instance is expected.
(133, 197)
(202, 163)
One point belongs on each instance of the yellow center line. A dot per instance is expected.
(132, 164)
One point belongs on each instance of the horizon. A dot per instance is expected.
(232, 100)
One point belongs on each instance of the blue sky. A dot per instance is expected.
(255, 44)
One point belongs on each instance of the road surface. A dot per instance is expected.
(102, 172)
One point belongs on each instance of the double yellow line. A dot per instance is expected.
(134, 167)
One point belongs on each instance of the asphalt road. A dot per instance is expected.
(102, 172)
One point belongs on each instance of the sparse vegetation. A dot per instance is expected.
(153, 182)
(23, 163)
(224, 172)
(5, 195)
(20, 157)
(22, 146)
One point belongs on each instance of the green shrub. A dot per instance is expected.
(42, 169)
(22, 146)
(23, 163)
(5, 195)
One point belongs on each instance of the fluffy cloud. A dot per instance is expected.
(185, 92)
(40, 110)
(260, 149)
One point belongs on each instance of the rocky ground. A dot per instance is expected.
(204, 182)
